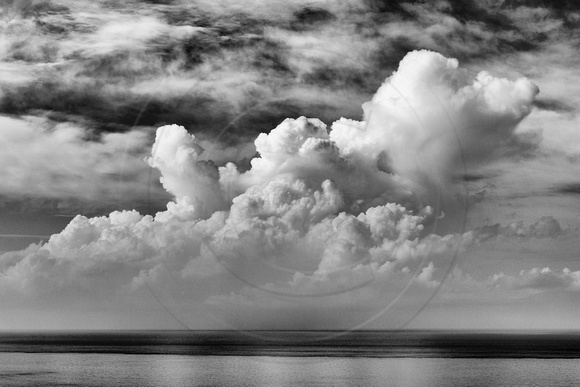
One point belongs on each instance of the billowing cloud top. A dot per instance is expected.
(318, 213)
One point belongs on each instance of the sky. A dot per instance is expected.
(306, 164)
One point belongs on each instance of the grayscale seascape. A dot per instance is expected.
(289, 193)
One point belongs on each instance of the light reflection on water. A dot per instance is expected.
(54, 369)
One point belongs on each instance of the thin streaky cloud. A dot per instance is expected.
(24, 236)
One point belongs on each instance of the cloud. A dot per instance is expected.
(433, 123)
(277, 10)
(554, 105)
(545, 227)
(539, 279)
(506, 287)
(129, 35)
(573, 188)
(193, 182)
(315, 213)
(119, 68)
(43, 158)
(394, 142)
(227, 72)
(203, 76)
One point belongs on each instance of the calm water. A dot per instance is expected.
(289, 359)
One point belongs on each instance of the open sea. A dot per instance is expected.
(289, 358)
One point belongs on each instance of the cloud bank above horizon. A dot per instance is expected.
(263, 217)
(321, 219)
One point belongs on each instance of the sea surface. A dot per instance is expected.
(289, 358)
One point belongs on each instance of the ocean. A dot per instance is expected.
(289, 358)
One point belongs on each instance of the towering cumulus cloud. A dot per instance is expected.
(318, 213)
(429, 120)
(192, 182)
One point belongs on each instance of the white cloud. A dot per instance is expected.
(130, 33)
(431, 123)
(192, 181)
(317, 213)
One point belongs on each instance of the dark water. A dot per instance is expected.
(417, 344)
(217, 358)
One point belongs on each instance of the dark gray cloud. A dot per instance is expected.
(554, 105)
(469, 177)
(545, 227)
(572, 189)
(80, 81)
(309, 18)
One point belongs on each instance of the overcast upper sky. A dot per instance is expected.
(269, 164)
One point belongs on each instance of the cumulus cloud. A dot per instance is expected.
(432, 122)
(317, 212)
(193, 182)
